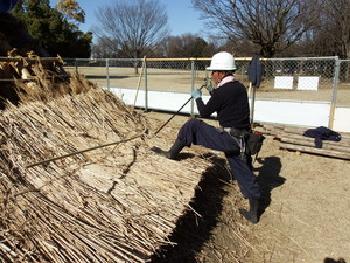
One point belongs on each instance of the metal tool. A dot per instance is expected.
(206, 84)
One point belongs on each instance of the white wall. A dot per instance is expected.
(282, 112)
(294, 113)
(342, 119)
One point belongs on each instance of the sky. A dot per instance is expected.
(182, 17)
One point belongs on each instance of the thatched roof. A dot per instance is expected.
(113, 204)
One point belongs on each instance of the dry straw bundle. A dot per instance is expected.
(30, 79)
(119, 203)
(114, 204)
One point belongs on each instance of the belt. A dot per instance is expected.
(239, 137)
(233, 131)
(227, 129)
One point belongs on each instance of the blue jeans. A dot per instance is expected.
(199, 133)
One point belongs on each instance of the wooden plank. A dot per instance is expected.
(296, 129)
(313, 150)
(264, 130)
(293, 129)
(342, 142)
(325, 145)
(278, 133)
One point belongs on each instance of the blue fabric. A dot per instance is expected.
(199, 133)
(255, 71)
(322, 133)
(7, 5)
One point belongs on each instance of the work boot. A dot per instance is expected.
(173, 151)
(252, 214)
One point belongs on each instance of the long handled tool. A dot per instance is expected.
(139, 82)
(46, 161)
(173, 116)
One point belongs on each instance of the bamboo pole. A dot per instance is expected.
(139, 81)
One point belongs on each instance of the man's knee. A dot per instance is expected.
(187, 130)
(193, 124)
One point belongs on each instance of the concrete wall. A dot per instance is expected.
(311, 114)
(342, 119)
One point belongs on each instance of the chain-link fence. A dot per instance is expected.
(316, 80)
(311, 79)
(301, 79)
(343, 85)
(298, 79)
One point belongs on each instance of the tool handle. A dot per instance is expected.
(173, 116)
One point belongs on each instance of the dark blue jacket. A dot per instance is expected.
(322, 133)
(230, 101)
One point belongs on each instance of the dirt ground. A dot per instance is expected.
(305, 212)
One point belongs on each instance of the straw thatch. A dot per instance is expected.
(28, 79)
(113, 204)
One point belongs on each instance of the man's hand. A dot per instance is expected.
(196, 93)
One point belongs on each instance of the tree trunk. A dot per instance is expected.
(267, 51)
(136, 68)
(136, 57)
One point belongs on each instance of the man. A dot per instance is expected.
(230, 102)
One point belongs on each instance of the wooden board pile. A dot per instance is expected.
(113, 204)
(291, 138)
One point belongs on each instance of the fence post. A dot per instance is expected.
(76, 66)
(146, 87)
(334, 94)
(192, 86)
(107, 74)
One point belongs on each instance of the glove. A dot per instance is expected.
(196, 93)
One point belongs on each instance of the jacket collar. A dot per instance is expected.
(225, 80)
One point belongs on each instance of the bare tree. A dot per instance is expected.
(104, 48)
(272, 24)
(187, 45)
(336, 23)
(331, 36)
(135, 25)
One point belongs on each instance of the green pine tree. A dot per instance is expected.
(51, 30)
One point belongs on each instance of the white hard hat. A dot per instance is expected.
(222, 61)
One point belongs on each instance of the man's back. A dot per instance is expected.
(231, 104)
